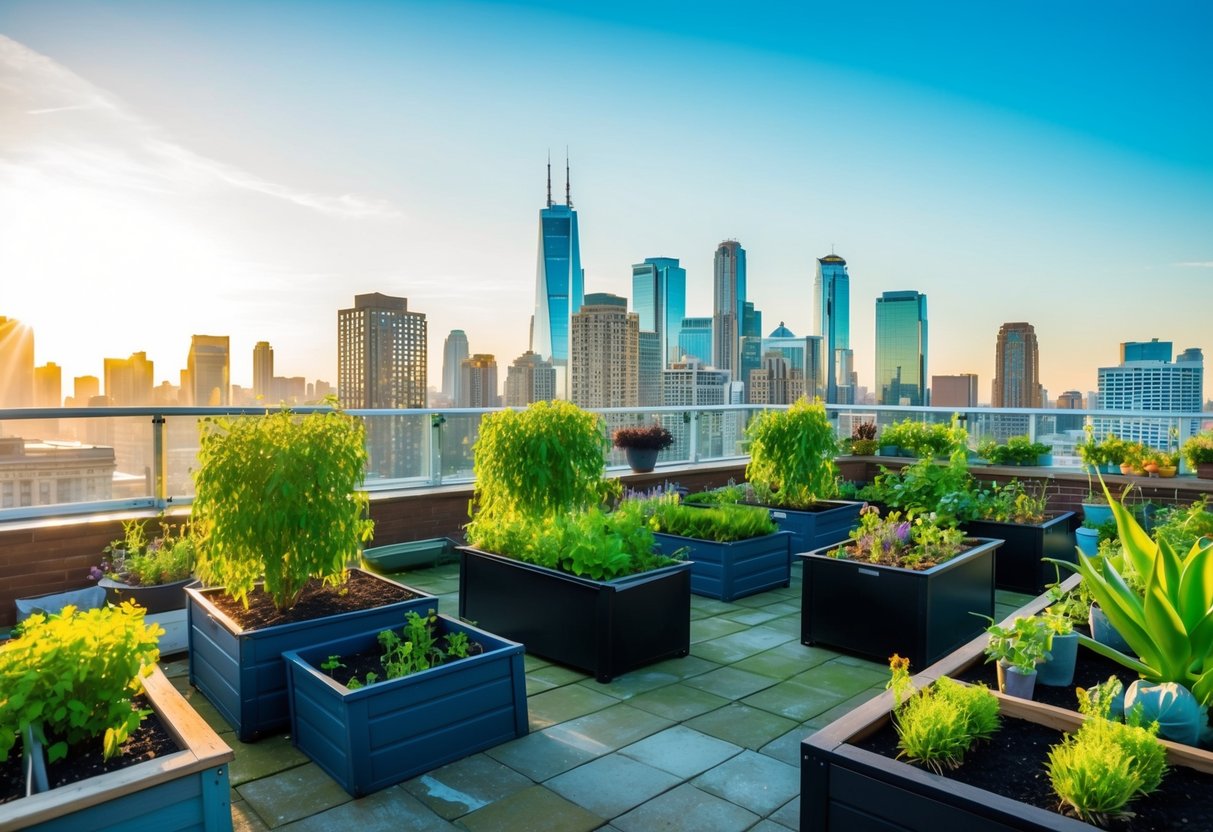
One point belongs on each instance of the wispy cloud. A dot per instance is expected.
(1196, 264)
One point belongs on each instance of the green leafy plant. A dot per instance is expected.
(863, 439)
(276, 496)
(650, 437)
(1019, 450)
(1098, 769)
(69, 678)
(1182, 527)
(924, 440)
(330, 664)
(725, 495)
(792, 455)
(137, 561)
(937, 726)
(1022, 646)
(918, 543)
(723, 523)
(1011, 502)
(1098, 701)
(418, 646)
(945, 491)
(1198, 449)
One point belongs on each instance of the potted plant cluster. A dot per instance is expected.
(906, 585)
(277, 516)
(1104, 456)
(641, 445)
(792, 471)
(1018, 450)
(547, 567)
(1018, 649)
(74, 688)
(863, 439)
(375, 709)
(1198, 453)
(913, 438)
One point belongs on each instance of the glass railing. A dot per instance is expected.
(74, 460)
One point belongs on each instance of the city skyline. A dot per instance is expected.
(155, 184)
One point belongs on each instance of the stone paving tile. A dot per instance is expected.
(292, 794)
(752, 781)
(786, 607)
(558, 675)
(534, 686)
(825, 718)
(681, 751)
(857, 661)
(202, 705)
(742, 725)
(762, 599)
(678, 702)
(707, 629)
(786, 748)
(788, 814)
(710, 606)
(844, 678)
(794, 700)
(466, 785)
(611, 785)
(684, 668)
(245, 819)
(539, 755)
(730, 682)
(561, 704)
(789, 624)
(767, 826)
(390, 810)
(610, 729)
(785, 661)
(629, 685)
(531, 809)
(686, 807)
(261, 759)
(740, 645)
(751, 617)
(530, 662)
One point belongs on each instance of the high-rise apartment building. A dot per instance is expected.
(954, 391)
(650, 366)
(659, 296)
(805, 355)
(776, 382)
(478, 382)
(84, 390)
(263, 372)
(559, 283)
(832, 317)
(604, 355)
(208, 371)
(48, 385)
(529, 379)
(17, 359)
(901, 348)
(691, 384)
(1155, 383)
(129, 381)
(728, 305)
(1016, 367)
(695, 340)
(454, 351)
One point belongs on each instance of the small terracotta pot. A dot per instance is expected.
(1167, 471)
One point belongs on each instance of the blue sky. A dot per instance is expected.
(246, 168)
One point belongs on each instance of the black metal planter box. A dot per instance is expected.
(242, 672)
(733, 570)
(877, 611)
(820, 525)
(381, 734)
(1018, 565)
(602, 627)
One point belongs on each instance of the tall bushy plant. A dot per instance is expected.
(276, 496)
(792, 455)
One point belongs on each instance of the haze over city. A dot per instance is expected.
(246, 169)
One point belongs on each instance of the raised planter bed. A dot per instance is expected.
(1018, 566)
(602, 627)
(827, 522)
(380, 734)
(241, 671)
(877, 611)
(733, 570)
(187, 789)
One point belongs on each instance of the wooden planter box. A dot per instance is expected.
(733, 570)
(241, 671)
(846, 788)
(184, 790)
(378, 735)
(602, 627)
(1018, 565)
(877, 611)
(826, 523)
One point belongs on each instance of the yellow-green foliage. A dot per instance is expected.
(792, 455)
(70, 677)
(276, 495)
(938, 725)
(725, 523)
(1097, 770)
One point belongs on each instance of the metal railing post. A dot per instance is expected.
(159, 481)
(437, 420)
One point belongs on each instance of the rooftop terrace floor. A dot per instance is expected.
(709, 742)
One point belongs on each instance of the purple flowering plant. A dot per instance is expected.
(912, 542)
(139, 561)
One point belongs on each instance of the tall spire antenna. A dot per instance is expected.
(549, 178)
(568, 199)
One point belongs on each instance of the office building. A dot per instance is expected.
(36, 473)
(650, 366)
(263, 373)
(659, 297)
(695, 340)
(206, 378)
(454, 351)
(1016, 367)
(128, 381)
(832, 318)
(805, 354)
(17, 359)
(776, 382)
(691, 384)
(478, 382)
(529, 379)
(84, 390)
(901, 348)
(1155, 383)
(48, 385)
(728, 305)
(559, 283)
(1069, 400)
(604, 358)
(1152, 350)
(954, 391)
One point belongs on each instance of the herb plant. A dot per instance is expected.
(725, 495)
(1098, 769)
(724, 523)
(1010, 502)
(1182, 527)
(917, 543)
(1023, 645)
(925, 487)
(938, 725)
(70, 677)
(415, 648)
(137, 561)
(792, 455)
(1019, 450)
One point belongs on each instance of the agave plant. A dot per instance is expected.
(1169, 624)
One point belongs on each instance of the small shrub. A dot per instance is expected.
(1198, 449)
(939, 725)
(1101, 767)
(792, 455)
(651, 438)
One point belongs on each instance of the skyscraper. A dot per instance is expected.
(263, 372)
(1016, 367)
(804, 355)
(128, 381)
(208, 369)
(648, 376)
(659, 296)
(604, 353)
(832, 316)
(559, 282)
(775, 382)
(901, 348)
(16, 363)
(728, 306)
(695, 340)
(529, 379)
(454, 350)
(478, 382)
(48, 385)
(1150, 383)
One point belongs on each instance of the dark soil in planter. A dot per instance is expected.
(370, 661)
(149, 741)
(1013, 764)
(360, 592)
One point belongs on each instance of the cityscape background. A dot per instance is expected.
(247, 169)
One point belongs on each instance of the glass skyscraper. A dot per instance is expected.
(728, 307)
(659, 296)
(695, 339)
(832, 314)
(901, 348)
(559, 282)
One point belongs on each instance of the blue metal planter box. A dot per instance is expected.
(733, 570)
(185, 790)
(378, 735)
(241, 671)
(1018, 565)
(829, 521)
(602, 627)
